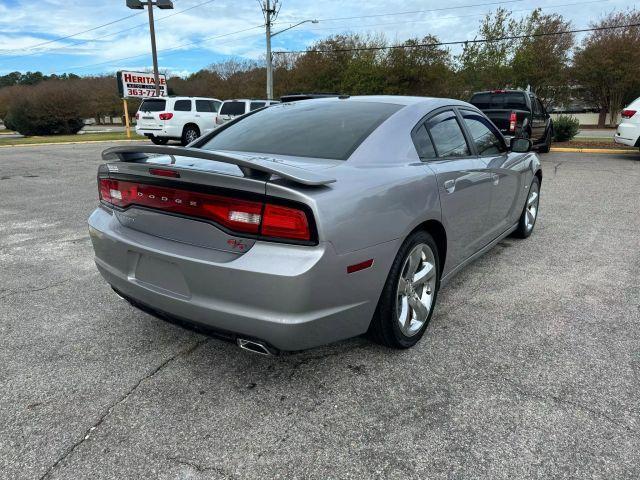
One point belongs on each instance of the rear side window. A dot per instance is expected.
(153, 105)
(182, 106)
(483, 134)
(499, 101)
(447, 135)
(203, 106)
(256, 105)
(320, 129)
(423, 143)
(232, 108)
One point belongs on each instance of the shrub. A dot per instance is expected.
(49, 108)
(565, 128)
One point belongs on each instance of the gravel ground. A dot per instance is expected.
(530, 367)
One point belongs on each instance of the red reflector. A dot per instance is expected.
(628, 113)
(360, 266)
(166, 116)
(285, 222)
(164, 173)
(513, 119)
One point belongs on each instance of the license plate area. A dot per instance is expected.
(157, 274)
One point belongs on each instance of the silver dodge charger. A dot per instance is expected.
(310, 222)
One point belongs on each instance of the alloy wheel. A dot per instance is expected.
(416, 289)
(531, 210)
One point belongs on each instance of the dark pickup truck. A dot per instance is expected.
(517, 114)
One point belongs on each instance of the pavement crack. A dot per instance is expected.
(33, 290)
(195, 466)
(121, 399)
(563, 401)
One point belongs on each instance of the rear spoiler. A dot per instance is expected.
(251, 166)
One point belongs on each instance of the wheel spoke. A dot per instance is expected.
(530, 218)
(532, 198)
(422, 312)
(424, 275)
(414, 261)
(402, 284)
(405, 313)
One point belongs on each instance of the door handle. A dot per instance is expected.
(450, 186)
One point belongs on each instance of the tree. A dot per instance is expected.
(607, 63)
(542, 62)
(487, 65)
(420, 70)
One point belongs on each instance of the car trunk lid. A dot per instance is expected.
(228, 192)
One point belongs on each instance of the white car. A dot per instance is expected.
(231, 109)
(176, 118)
(628, 131)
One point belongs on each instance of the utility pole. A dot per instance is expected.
(268, 12)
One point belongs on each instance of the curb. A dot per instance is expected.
(20, 145)
(592, 150)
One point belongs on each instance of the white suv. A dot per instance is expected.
(176, 118)
(628, 131)
(231, 109)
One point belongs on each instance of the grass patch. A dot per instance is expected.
(87, 137)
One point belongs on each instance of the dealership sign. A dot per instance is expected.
(140, 85)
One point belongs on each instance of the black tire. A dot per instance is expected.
(189, 134)
(546, 146)
(524, 230)
(385, 328)
(159, 140)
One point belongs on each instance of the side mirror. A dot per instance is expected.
(521, 145)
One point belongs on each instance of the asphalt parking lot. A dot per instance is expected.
(530, 367)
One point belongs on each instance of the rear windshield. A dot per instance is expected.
(152, 105)
(232, 108)
(499, 101)
(320, 129)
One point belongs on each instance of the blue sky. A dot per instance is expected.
(220, 29)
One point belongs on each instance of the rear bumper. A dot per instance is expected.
(292, 297)
(169, 131)
(628, 133)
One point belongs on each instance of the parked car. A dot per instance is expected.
(231, 109)
(517, 114)
(176, 118)
(628, 131)
(286, 229)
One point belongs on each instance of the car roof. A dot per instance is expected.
(501, 90)
(432, 102)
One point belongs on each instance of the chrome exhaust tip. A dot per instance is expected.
(255, 346)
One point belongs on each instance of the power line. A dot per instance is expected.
(454, 16)
(411, 12)
(459, 42)
(109, 34)
(177, 47)
(75, 34)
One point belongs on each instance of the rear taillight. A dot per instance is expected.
(242, 216)
(285, 222)
(166, 116)
(628, 113)
(137, 116)
(218, 120)
(513, 119)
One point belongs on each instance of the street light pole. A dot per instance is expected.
(268, 13)
(154, 53)
(163, 5)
